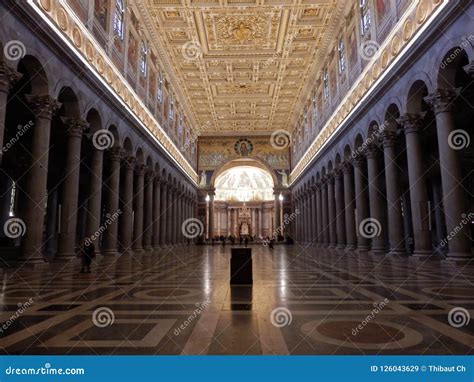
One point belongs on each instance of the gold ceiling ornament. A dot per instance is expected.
(259, 54)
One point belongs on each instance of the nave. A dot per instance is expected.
(304, 300)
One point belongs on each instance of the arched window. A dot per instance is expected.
(143, 59)
(171, 109)
(315, 108)
(119, 19)
(326, 84)
(341, 56)
(159, 91)
(365, 19)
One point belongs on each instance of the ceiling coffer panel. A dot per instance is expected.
(235, 50)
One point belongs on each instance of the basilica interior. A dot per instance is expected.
(145, 142)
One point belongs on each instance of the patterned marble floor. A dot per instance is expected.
(178, 301)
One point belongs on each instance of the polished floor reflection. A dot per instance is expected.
(178, 301)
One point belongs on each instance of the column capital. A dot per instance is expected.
(8, 77)
(75, 126)
(442, 100)
(140, 169)
(330, 179)
(390, 138)
(346, 167)
(157, 180)
(358, 161)
(372, 151)
(411, 123)
(150, 176)
(115, 154)
(129, 162)
(43, 106)
(338, 173)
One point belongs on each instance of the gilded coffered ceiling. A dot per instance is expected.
(243, 66)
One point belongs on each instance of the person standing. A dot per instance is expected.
(87, 254)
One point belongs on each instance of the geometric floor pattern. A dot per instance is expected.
(304, 300)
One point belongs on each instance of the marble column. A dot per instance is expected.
(211, 215)
(396, 235)
(314, 216)
(325, 208)
(8, 77)
(126, 224)
(349, 203)
(319, 214)
(277, 215)
(332, 212)
(260, 222)
(110, 242)
(148, 211)
(163, 212)
(94, 209)
(170, 214)
(340, 217)
(176, 222)
(70, 187)
(306, 223)
(138, 208)
(454, 196)
(156, 212)
(362, 202)
(418, 188)
(376, 202)
(228, 221)
(43, 107)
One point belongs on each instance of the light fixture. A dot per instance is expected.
(208, 198)
(280, 197)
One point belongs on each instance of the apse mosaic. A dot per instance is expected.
(214, 152)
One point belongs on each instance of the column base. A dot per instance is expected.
(65, 256)
(398, 252)
(362, 250)
(138, 250)
(459, 256)
(422, 254)
(148, 249)
(378, 252)
(110, 252)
